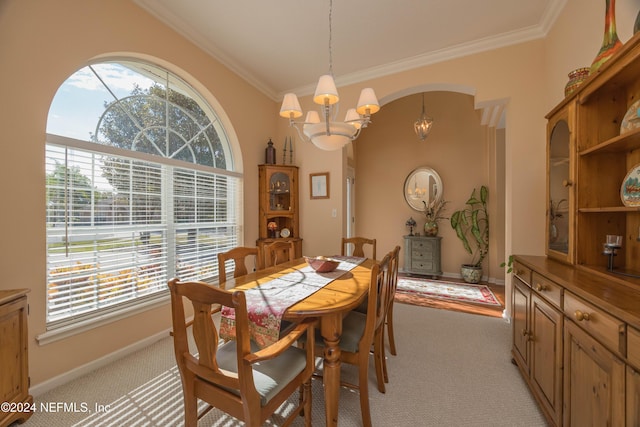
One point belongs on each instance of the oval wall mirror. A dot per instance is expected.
(422, 185)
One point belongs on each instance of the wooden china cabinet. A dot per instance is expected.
(279, 207)
(576, 311)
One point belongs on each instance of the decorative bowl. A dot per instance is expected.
(322, 264)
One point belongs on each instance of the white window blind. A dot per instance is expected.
(140, 188)
(119, 228)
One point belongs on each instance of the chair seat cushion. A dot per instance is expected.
(352, 329)
(270, 376)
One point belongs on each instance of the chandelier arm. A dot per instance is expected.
(293, 124)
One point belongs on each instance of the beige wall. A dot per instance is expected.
(43, 42)
(510, 75)
(456, 148)
(530, 77)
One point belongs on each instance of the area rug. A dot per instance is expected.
(458, 296)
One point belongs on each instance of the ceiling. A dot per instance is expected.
(283, 45)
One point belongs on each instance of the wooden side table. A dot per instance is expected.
(422, 255)
(14, 369)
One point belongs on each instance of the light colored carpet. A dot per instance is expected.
(452, 369)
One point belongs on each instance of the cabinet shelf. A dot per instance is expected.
(608, 209)
(557, 161)
(627, 142)
(277, 214)
(620, 275)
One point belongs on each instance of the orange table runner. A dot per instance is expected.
(267, 302)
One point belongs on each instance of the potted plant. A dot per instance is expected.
(472, 228)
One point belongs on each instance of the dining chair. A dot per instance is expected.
(236, 376)
(278, 252)
(239, 257)
(392, 277)
(360, 332)
(358, 246)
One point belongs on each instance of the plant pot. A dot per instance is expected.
(471, 273)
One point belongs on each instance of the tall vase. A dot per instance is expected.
(610, 43)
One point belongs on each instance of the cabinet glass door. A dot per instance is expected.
(279, 191)
(560, 188)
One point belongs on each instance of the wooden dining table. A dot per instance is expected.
(329, 304)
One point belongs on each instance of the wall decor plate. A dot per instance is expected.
(285, 232)
(631, 119)
(630, 190)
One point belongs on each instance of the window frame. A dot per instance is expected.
(58, 329)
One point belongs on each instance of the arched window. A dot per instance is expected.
(140, 188)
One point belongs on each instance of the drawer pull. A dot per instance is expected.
(540, 288)
(519, 272)
(580, 316)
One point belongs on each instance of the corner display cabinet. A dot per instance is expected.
(279, 205)
(576, 311)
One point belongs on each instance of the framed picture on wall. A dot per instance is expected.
(319, 183)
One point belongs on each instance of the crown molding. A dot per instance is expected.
(446, 54)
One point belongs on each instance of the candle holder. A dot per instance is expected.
(611, 247)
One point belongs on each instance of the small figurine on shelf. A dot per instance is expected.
(410, 223)
(272, 226)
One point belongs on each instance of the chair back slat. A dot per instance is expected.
(239, 257)
(205, 335)
(393, 274)
(377, 298)
(358, 244)
(278, 252)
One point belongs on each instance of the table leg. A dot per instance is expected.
(331, 330)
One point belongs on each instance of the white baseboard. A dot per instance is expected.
(71, 375)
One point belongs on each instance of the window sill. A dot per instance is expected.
(79, 327)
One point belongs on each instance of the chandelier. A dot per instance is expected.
(423, 125)
(330, 134)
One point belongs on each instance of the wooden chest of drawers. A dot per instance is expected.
(422, 255)
(14, 366)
